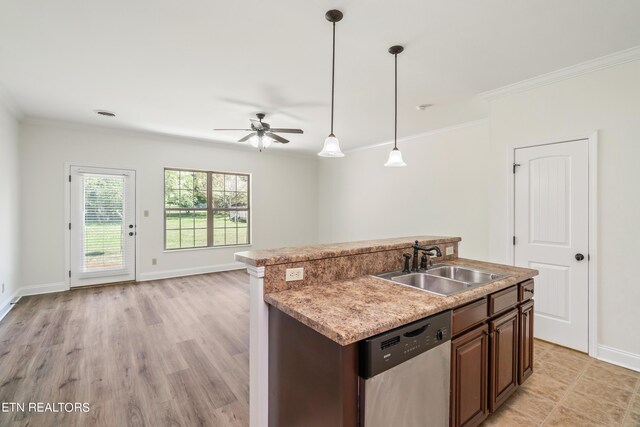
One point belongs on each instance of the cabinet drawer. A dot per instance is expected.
(525, 290)
(470, 315)
(503, 300)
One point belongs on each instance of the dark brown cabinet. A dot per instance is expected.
(525, 363)
(469, 376)
(491, 352)
(503, 355)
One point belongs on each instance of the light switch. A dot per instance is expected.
(146, 213)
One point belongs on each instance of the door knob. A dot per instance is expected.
(579, 257)
(130, 225)
(131, 233)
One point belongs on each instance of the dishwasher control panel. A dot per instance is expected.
(382, 352)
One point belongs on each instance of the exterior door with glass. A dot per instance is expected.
(102, 226)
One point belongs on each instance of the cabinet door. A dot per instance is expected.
(525, 341)
(503, 363)
(469, 376)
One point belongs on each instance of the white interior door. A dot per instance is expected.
(102, 226)
(552, 235)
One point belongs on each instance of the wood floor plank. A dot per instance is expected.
(162, 353)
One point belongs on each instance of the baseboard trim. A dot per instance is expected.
(619, 357)
(46, 288)
(6, 308)
(181, 272)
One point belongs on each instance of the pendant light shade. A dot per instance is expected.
(395, 157)
(331, 146)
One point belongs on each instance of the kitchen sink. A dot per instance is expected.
(463, 274)
(443, 279)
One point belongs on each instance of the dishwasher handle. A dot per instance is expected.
(417, 332)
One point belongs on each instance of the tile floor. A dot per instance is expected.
(569, 388)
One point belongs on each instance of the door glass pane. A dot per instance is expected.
(103, 223)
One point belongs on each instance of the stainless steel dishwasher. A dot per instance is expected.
(405, 374)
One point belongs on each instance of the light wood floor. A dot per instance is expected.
(162, 353)
(176, 353)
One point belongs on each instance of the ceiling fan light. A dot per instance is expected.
(266, 141)
(331, 147)
(395, 159)
(254, 141)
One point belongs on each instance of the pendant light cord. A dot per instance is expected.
(395, 129)
(333, 73)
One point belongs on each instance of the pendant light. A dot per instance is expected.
(331, 146)
(395, 157)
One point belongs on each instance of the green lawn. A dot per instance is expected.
(187, 229)
(103, 245)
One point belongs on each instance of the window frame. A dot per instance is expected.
(209, 209)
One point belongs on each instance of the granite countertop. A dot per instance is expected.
(265, 257)
(348, 311)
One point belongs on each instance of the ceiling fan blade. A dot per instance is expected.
(285, 130)
(247, 137)
(257, 124)
(245, 130)
(277, 138)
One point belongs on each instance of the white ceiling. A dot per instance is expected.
(183, 68)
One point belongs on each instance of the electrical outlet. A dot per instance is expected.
(449, 250)
(154, 261)
(293, 274)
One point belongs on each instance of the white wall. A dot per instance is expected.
(442, 191)
(9, 206)
(456, 184)
(279, 181)
(607, 101)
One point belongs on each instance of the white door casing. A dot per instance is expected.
(102, 225)
(551, 227)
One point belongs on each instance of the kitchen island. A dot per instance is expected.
(305, 333)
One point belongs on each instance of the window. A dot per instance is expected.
(205, 209)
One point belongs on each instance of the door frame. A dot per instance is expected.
(592, 141)
(67, 215)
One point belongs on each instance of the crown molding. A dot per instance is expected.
(607, 61)
(438, 131)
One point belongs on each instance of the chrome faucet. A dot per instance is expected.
(425, 249)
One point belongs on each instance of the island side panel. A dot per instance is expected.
(313, 381)
(259, 349)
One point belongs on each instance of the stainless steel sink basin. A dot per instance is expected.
(443, 279)
(463, 274)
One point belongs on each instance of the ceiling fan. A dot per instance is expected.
(263, 135)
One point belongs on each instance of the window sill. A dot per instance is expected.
(168, 251)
